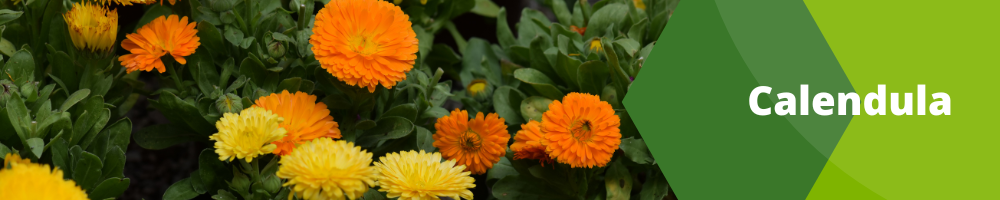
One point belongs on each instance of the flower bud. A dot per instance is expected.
(479, 89)
(272, 184)
(533, 107)
(276, 49)
(8, 90)
(229, 103)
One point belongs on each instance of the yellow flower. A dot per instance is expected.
(127, 2)
(639, 4)
(412, 175)
(13, 158)
(478, 87)
(595, 44)
(248, 134)
(22, 179)
(328, 169)
(92, 27)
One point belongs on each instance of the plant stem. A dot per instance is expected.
(459, 40)
(174, 75)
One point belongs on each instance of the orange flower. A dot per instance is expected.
(477, 143)
(162, 36)
(578, 29)
(305, 119)
(581, 131)
(529, 143)
(364, 42)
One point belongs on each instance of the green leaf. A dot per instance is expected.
(120, 133)
(87, 170)
(561, 11)
(612, 13)
(656, 26)
(629, 45)
(74, 98)
(501, 169)
(425, 139)
(19, 117)
(504, 35)
(407, 111)
(618, 76)
(179, 111)
(506, 103)
(638, 30)
(211, 39)
(37, 146)
(212, 172)
(567, 68)
(618, 182)
(109, 188)
(161, 136)
(114, 164)
(291, 84)
(636, 150)
(486, 8)
(20, 67)
(373, 194)
(60, 155)
(4, 149)
(234, 35)
(247, 42)
(365, 124)
(181, 190)
(655, 187)
(533, 107)
(7, 15)
(525, 187)
(225, 195)
(389, 128)
(539, 81)
(6, 47)
(237, 84)
(593, 76)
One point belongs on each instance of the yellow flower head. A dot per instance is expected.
(248, 134)
(595, 44)
(92, 27)
(477, 87)
(13, 158)
(639, 4)
(328, 169)
(412, 175)
(21, 179)
(127, 2)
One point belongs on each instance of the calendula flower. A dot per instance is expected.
(327, 169)
(579, 30)
(595, 44)
(476, 143)
(21, 179)
(581, 131)
(171, 2)
(92, 27)
(529, 143)
(305, 119)
(377, 46)
(162, 36)
(247, 135)
(420, 175)
(126, 2)
(639, 4)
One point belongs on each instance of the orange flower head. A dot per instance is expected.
(305, 119)
(581, 131)
(364, 42)
(162, 36)
(578, 29)
(529, 143)
(477, 143)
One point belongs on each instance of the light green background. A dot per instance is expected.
(952, 47)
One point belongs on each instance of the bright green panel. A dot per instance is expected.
(952, 47)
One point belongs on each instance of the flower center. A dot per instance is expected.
(363, 44)
(471, 141)
(581, 130)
